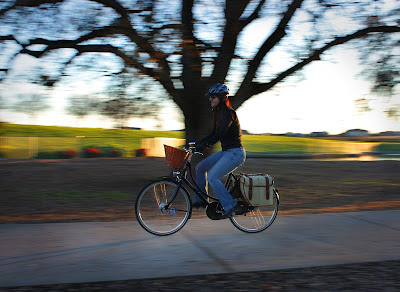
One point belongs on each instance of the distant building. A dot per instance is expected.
(389, 133)
(130, 128)
(355, 133)
(290, 134)
(319, 134)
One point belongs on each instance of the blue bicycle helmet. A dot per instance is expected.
(218, 89)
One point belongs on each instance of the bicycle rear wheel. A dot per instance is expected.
(154, 214)
(257, 219)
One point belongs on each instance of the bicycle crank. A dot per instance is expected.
(214, 211)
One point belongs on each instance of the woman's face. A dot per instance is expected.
(214, 101)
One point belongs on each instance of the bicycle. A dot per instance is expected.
(164, 206)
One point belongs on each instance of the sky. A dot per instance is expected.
(324, 100)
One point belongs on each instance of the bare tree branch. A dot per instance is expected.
(254, 15)
(270, 43)
(28, 3)
(164, 70)
(258, 88)
(233, 26)
(125, 26)
(8, 38)
(12, 56)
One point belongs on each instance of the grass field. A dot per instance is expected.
(31, 141)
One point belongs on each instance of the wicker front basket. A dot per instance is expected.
(174, 157)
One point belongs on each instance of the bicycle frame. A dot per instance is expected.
(181, 176)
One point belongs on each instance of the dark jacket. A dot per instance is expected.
(226, 129)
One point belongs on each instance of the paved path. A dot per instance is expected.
(33, 254)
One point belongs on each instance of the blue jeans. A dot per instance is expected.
(215, 167)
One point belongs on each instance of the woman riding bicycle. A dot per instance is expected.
(227, 131)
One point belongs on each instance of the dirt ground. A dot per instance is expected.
(106, 188)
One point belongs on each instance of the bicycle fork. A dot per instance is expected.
(166, 207)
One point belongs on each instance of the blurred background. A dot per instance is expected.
(294, 68)
(315, 79)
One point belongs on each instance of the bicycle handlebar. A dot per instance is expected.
(192, 148)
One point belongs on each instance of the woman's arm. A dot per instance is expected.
(223, 128)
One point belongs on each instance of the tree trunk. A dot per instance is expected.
(199, 122)
(198, 116)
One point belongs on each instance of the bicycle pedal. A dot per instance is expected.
(212, 212)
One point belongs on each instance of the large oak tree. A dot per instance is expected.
(187, 45)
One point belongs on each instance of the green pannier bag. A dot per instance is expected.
(257, 189)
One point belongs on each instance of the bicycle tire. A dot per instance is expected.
(258, 219)
(151, 212)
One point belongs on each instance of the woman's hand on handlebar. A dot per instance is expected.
(201, 146)
(194, 148)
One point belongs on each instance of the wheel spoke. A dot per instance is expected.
(153, 212)
(258, 219)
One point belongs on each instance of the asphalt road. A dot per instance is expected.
(49, 253)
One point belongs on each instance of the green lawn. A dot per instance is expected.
(15, 130)
(31, 141)
(281, 144)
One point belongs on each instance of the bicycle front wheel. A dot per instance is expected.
(158, 212)
(257, 219)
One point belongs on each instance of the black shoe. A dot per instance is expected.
(199, 205)
(237, 210)
(227, 214)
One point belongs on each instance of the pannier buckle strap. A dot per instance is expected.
(251, 186)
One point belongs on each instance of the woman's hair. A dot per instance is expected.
(227, 105)
(227, 102)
